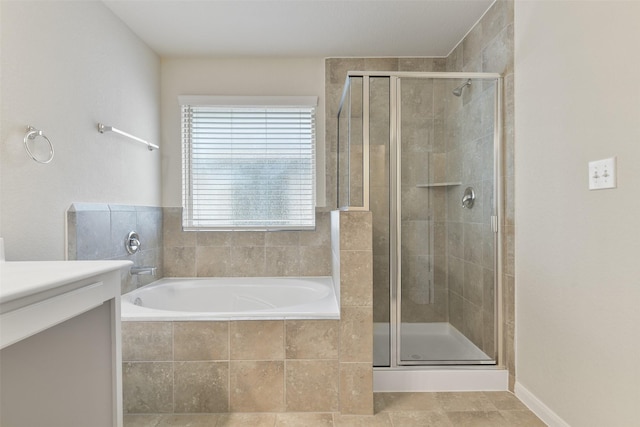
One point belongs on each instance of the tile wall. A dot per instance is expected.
(489, 48)
(245, 253)
(98, 232)
(470, 245)
(263, 366)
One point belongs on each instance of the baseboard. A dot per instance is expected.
(543, 412)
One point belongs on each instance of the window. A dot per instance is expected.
(248, 163)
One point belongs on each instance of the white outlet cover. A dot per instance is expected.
(602, 174)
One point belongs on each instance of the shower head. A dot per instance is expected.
(458, 91)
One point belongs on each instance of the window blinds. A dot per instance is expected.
(248, 167)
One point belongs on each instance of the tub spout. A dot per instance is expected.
(143, 271)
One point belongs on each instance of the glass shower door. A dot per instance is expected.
(446, 279)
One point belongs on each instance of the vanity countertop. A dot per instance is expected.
(36, 295)
(22, 279)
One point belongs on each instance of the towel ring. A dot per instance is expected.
(31, 134)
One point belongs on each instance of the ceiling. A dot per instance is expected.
(300, 28)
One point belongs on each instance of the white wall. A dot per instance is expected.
(247, 76)
(65, 67)
(577, 98)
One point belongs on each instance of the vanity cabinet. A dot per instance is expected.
(60, 344)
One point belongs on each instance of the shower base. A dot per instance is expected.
(438, 343)
(454, 362)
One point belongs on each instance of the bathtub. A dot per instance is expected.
(232, 298)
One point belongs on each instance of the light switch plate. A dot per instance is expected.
(602, 174)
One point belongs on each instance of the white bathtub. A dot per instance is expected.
(232, 298)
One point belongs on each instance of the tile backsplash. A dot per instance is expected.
(98, 231)
(245, 253)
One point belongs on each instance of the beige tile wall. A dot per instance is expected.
(263, 366)
(489, 48)
(236, 366)
(245, 253)
(353, 247)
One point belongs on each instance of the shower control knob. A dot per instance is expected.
(468, 198)
(132, 243)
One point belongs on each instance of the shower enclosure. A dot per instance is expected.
(421, 151)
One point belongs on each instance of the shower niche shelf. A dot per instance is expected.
(439, 184)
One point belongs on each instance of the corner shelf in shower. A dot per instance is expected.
(439, 184)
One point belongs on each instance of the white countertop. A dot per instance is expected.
(25, 278)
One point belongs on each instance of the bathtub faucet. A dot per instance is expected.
(143, 271)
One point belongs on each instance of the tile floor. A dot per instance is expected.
(470, 409)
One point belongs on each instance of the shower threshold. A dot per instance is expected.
(442, 358)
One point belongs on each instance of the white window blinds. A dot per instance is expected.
(249, 164)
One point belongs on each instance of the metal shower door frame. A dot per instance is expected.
(395, 163)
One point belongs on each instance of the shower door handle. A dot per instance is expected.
(468, 198)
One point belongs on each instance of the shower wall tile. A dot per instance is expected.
(495, 55)
(488, 333)
(498, 17)
(509, 250)
(418, 64)
(381, 288)
(472, 322)
(98, 231)
(473, 286)
(488, 246)
(455, 274)
(456, 310)
(472, 242)
(472, 45)
(489, 291)
(337, 69)
(381, 64)
(487, 48)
